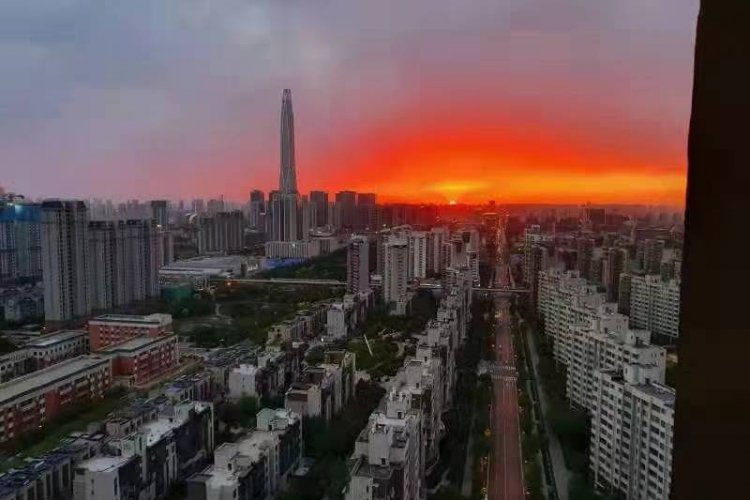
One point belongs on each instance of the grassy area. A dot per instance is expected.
(329, 266)
(384, 360)
(75, 419)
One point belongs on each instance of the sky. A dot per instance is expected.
(417, 100)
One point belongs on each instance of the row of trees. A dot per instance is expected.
(571, 426)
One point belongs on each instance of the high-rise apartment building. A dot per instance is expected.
(160, 214)
(606, 342)
(319, 200)
(585, 255)
(222, 232)
(198, 206)
(309, 219)
(632, 421)
(125, 258)
(358, 265)
(418, 252)
(346, 208)
(396, 274)
(617, 262)
(532, 236)
(539, 261)
(655, 306)
(437, 237)
(565, 300)
(20, 240)
(256, 209)
(65, 262)
(649, 255)
(623, 294)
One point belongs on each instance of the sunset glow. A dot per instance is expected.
(518, 101)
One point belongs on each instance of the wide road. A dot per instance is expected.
(506, 466)
(506, 476)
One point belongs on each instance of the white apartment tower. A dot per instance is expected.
(565, 300)
(418, 253)
(632, 421)
(606, 342)
(396, 274)
(655, 305)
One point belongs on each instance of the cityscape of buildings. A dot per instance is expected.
(600, 284)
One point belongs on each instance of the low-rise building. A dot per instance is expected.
(267, 378)
(16, 363)
(256, 467)
(30, 401)
(143, 360)
(108, 478)
(293, 249)
(50, 476)
(113, 329)
(175, 445)
(58, 346)
(388, 458)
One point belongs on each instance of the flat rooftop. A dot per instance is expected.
(56, 338)
(138, 343)
(151, 319)
(104, 463)
(36, 380)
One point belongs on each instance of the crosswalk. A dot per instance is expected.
(499, 371)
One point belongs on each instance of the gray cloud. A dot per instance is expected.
(143, 96)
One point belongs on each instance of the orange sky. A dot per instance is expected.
(473, 158)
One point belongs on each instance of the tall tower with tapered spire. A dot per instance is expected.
(284, 203)
(288, 176)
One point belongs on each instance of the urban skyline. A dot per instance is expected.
(490, 254)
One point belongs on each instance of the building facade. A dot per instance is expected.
(65, 259)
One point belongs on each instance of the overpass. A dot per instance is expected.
(330, 282)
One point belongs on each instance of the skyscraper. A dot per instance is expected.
(320, 200)
(65, 259)
(395, 277)
(288, 176)
(159, 213)
(358, 265)
(20, 244)
(256, 210)
(284, 204)
(346, 206)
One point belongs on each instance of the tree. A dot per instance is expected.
(248, 406)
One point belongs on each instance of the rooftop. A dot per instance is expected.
(36, 380)
(56, 337)
(139, 343)
(151, 319)
(104, 463)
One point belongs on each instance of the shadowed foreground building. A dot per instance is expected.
(713, 403)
